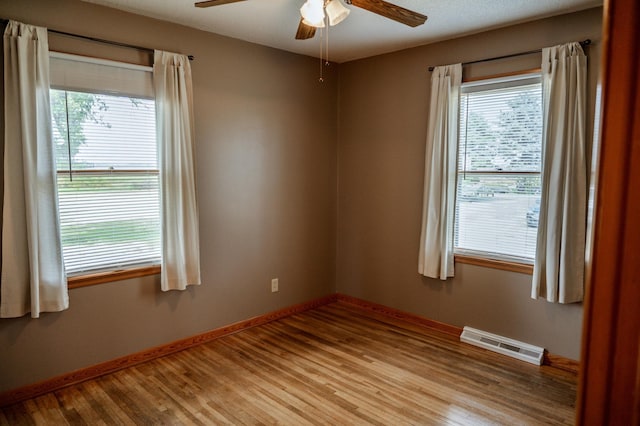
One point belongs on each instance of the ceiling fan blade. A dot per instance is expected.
(305, 31)
(391, 11)
(210, 3)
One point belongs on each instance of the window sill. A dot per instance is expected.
(523, 268)
(109, 276)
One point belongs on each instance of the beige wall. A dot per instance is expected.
(266, 168)
(383, 105)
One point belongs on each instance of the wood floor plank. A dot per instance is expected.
(102, 405)
(337, 364)
(296, 379)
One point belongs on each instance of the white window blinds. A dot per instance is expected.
(499, 159)
(107, 166)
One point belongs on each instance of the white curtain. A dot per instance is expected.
(558, 273)
(436, 238)
(178, 208)
(33, 276)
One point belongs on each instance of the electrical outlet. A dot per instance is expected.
(274, 285)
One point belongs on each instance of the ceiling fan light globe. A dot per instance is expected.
(336, 11)
(312, 12)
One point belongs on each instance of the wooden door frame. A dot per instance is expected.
(609, 391)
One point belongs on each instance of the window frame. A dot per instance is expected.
(89, 279)
(141, 89)
(490, 259)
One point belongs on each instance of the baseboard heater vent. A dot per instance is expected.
(503, 345)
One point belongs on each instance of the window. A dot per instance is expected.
(499, 163)
(107, 167)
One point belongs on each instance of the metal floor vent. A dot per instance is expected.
(503, 345)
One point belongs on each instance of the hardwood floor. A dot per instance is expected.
(335, 364)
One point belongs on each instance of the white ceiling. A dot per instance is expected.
(274, 22)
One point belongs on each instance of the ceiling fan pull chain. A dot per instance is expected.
(321, 79)
(326, 62)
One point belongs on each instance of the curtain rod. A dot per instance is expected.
(582, 43)
(101, 40)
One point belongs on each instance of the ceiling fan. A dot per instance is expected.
(307, 28)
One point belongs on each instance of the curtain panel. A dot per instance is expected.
(436, 237)
(558, 273)
(178, 207)
(33, 275)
